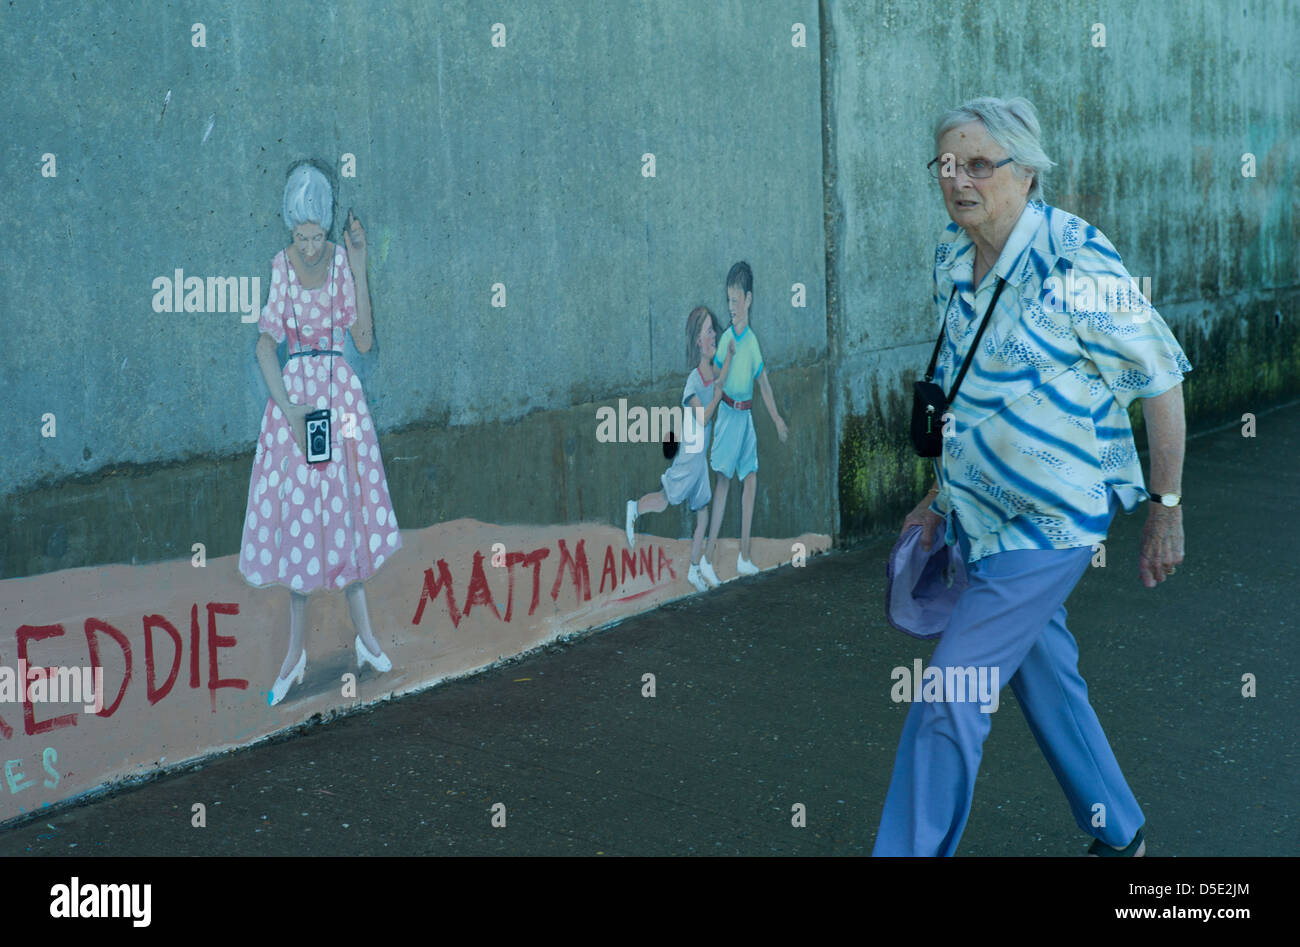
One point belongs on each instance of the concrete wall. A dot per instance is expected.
(1148, 132)
(522, 165)
(476, 164)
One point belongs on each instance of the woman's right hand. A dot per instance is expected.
(924, 517)
(296, 415)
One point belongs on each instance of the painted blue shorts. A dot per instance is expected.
(735, 445)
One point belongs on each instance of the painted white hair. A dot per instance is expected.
(307, 197)
(1013, 124)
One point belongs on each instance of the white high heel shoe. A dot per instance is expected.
(281, 685)
(378, 661)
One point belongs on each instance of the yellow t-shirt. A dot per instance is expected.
(746, 364)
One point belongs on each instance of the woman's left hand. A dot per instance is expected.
(355, 235)
(1162, 544)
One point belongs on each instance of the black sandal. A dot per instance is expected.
(1101, 850)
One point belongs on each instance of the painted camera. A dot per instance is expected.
(318, 437)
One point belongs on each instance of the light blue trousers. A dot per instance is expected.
(1012, 617)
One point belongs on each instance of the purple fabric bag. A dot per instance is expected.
(921, 588)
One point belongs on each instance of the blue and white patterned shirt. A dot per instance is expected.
(1040, 434)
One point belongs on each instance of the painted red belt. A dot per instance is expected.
(738, 405)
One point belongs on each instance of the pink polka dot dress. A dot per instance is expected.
(326, 525)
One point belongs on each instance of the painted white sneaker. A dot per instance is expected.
(696, 579)
(745, 567)
(631, 520)
(706, 570)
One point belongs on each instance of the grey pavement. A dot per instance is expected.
(774, 691)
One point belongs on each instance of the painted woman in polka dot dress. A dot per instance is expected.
(325, 525)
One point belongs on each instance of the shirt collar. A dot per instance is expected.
(1031, 232)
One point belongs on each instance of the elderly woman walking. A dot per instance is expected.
(1037, 458)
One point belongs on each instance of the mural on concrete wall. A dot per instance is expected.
(187, 658)
(687, 480)
(319, 514)
(717, 389)
(734, 452)
(318, 602)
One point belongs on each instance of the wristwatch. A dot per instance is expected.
(1166, 499)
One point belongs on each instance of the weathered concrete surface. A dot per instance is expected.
(522, 165)
(476, 164)
(1149, 133)
(544, 469)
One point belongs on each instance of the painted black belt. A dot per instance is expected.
(314, 352)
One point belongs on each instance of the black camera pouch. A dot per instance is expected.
(928, 409)
(929, 404)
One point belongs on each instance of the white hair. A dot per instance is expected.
(307, 197)
(1013, 124)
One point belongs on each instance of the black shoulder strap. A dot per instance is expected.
(943, 327)
(970, 355)
(291, 274)
(329, 394)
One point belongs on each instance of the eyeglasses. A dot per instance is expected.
(977, 168)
